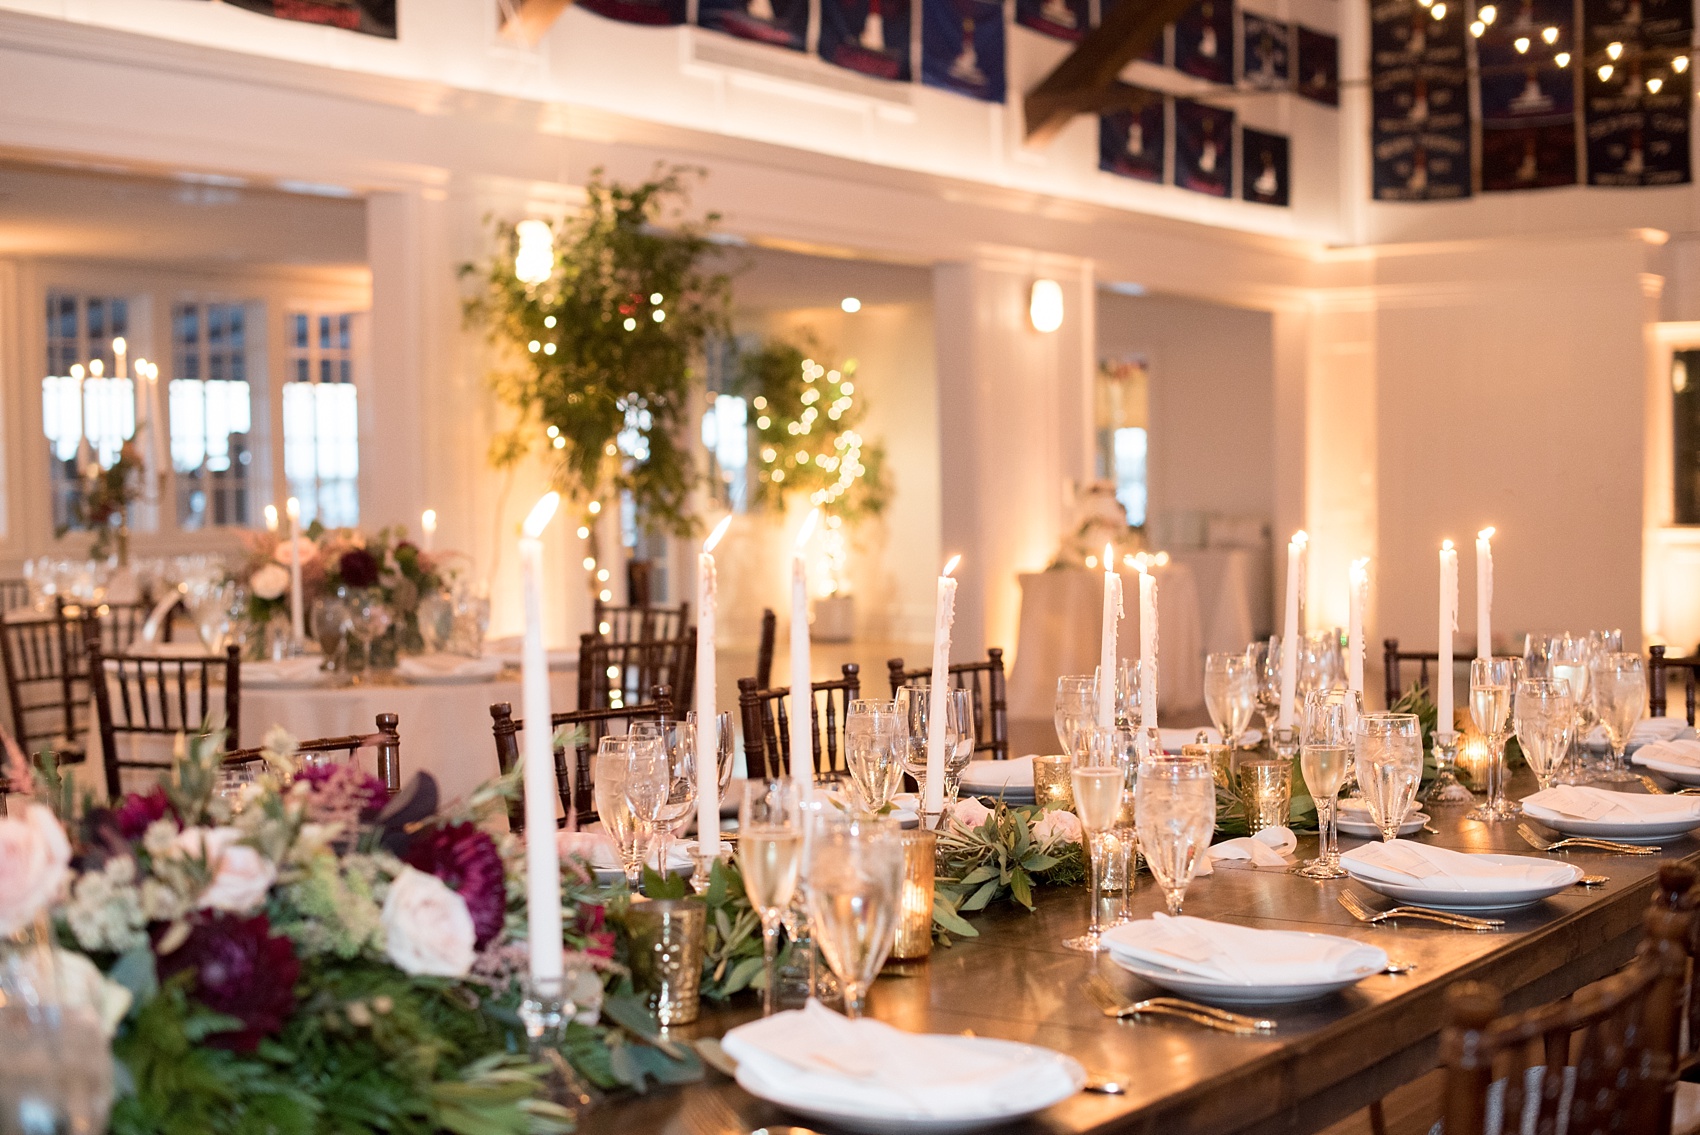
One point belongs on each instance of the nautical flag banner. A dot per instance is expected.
(1155, 54)
(1265, 163)
(1420, 101)
(870, 36)
(962, 47)
(1266, 54)
(1204, 148)
(1528, 98)
(1318, 55)
(1063, 19)
(1131, 143)
(656, 13)
(783, 23)
(369, 17)
(1637, 98)
(1204, 41)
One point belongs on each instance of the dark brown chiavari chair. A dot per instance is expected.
(613, 675)
(386, 741)
(641, 624)
(1603, 1061)
(1394, 661)
(764, 648)
(984, 682)
(47, 683)
(597, 724)
(157, 697)
(1659, 672)
(766, 716)
(14, 594)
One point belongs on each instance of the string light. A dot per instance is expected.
(1679, 64)
(1613, 50)
(1605, 71)
(1438, 11)
(1521, 43)
(1487, 13)
(1550, 35)
(1654, 84)
(1477, 28)
(1562, 59)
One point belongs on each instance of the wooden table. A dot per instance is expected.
(1330, 1057)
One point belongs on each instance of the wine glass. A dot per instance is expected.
(855, 887)
(914, 706)
(1545, 716)
(332, 623)
(678, 741)
(1321, 665)
(436, 621)
(58, 1074)
(770, 856)
(629, 785)
(369, 618)
(723, 769)
(1076, 708)
(1230, 694)
(1325, 761)
(875, 741)
(1265, 659)
(1175, 811)
(1128, 678)
(1620, 698)
(959, 736)
(1492, 683)
(1389, 759)
(1099, 773)
(1568, 658)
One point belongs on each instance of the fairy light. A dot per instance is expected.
(1549, 35)
(1679, 64)
(1613, 50)
(1654, 84)
(1605, 71)
(1562, 59)
(1521, 43)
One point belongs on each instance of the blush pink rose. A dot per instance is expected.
(1057, 826)
(35, 862)
(427, 927)
(241, 876)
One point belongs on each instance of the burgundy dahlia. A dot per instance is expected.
(358, 568)
(467, 861)
(138, 811)
(593, 928)
(241, 970)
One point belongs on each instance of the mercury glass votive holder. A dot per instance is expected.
(915, 913)
(666, 956)
(1266, 787)
(1053, 782)
(1221, 760)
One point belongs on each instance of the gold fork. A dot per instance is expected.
(1114, 1005)
(1363, 913)
(1587, 842)
(1656, 789)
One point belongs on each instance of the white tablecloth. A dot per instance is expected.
(1234, 601)
(1061, 615)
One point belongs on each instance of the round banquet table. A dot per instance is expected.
(1061, 613)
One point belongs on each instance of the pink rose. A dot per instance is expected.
(287, 550)
(1057, 826)
(35, 862)
(427, 927)
(969, 813)
(241, 876)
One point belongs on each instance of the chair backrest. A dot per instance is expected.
(158, 697)
(766, 715)
(984, 682)
(641, 624)
(1394, 661)
(1605, 1059)
(386, 741)
(613, 675)
(597, 724)
(1659, 667)
(121, 624)
(764, 648)
(14, 593)
(47, 682)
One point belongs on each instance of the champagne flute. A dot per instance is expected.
(1389, 759)
(1098, 775)
(1545, 715)
(679, 750)
(1569, 660)
(770, 856)
(1230, 694)
(614, 761)
(1325, 761)
(1620, 698)
(855, 887)
(959, 736)
(875, 741)
(1492, 682)
(1175, 810)
(1265, 659)
(1076, 708)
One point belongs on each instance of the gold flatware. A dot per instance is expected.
(1114, 1005)
(1396, 967)
(1593, 880)
(1586, 842)
(1104, 1085)
(1652, 786)
(1107, 993)
(1363, 913)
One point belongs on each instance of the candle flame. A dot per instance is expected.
(428, 520)
(1486, 533)
(1141, 564)
(713, 540)
(1109, 558)
(119, 346)
(541, 514)
(292, 506)
(950, 564)
(808, 528)
(1360, 570)
(1446, 545)
(1300, 537)
(271, 517)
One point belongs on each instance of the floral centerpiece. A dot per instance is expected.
(101, 500)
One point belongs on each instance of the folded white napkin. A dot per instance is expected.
(597, 848)
(429, 666)
(1270, 847)
(1685, 753)
(1404, 863)
(1017, 772)
(1658, 729)
(1241, 955)
(1597, 804)
(867, 1066)
(283, 671)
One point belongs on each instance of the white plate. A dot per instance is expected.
(607, 875)
(1221, 993)
(1008, 794)
(901, 1123)
(1622, 830)
(1509, 896)
(1360, 825)
(1681, 773)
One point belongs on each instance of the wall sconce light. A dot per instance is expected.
(534, 260)
(1045, 308)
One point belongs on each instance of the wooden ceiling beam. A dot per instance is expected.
(1087, 75)
(526, 21)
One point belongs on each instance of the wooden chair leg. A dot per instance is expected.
(1377, 1119)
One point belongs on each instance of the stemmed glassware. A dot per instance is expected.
(1325, 760)
(1569, 658)
(369, 618)
(1128, 677)
(1545, 716)
(876, 739)
(1076, 709)
(914, 707)
(1265, 659)
(1230, 694)
(679, 752)
(770, 857)
(1099, 775)
(1175, 811)
(1321, 665)
(1389, 758)
(1620, 699)
(855, 887)
(332, 623)
(723, 769)
(630, 786)
(1492, 682)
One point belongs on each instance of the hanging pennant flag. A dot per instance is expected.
(1637, 99)
(1420, 101)
(1204, 41)
(1063, 19)
(655, 13)
(1265, 165)
(962, 47)
(1204, 148)
(1318, 65)
(1153, 54)
(1131, 142)
(369, 17)
(1528, 98)
(870, 36)
(1267, 53)
(783, 23)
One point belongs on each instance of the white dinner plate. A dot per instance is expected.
(1624, 831)
(1008, 793)
(1213, 992)
(883, 1122)
(1358, 823)
(1510, 895)
(676, 866)
(1676, 770)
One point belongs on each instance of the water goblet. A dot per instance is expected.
(855, 886)
(1569, 658)
(1097, 778)
(875, 741)
(1265, 660)
(679, 752)
(914, 706)
(1128, 678)
(332, 623)
(770, 857)
(1230, 694)
(617, 763)
(1388, 753)
(1076, 708)
(1544, 716)
(1492, 684)
(1620, 699)
(1325, 760)
(369, 619)
(1175, 813)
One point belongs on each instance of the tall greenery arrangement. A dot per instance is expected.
(607, 342)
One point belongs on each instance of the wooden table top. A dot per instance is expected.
(1329, 1057)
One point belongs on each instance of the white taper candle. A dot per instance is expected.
(1484, 593)
(1448, 624)
(802, 691)
(1290, 628)
(542, 790)
(1107, 641)
(944, 616)
(708, 732)
(297, 601)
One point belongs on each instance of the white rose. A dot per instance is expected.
(1057, 826)
(287, 550)
(427, 928)
(35, 862)
(969, 813)
(84, 986)
(241, 876)
(269, 581)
